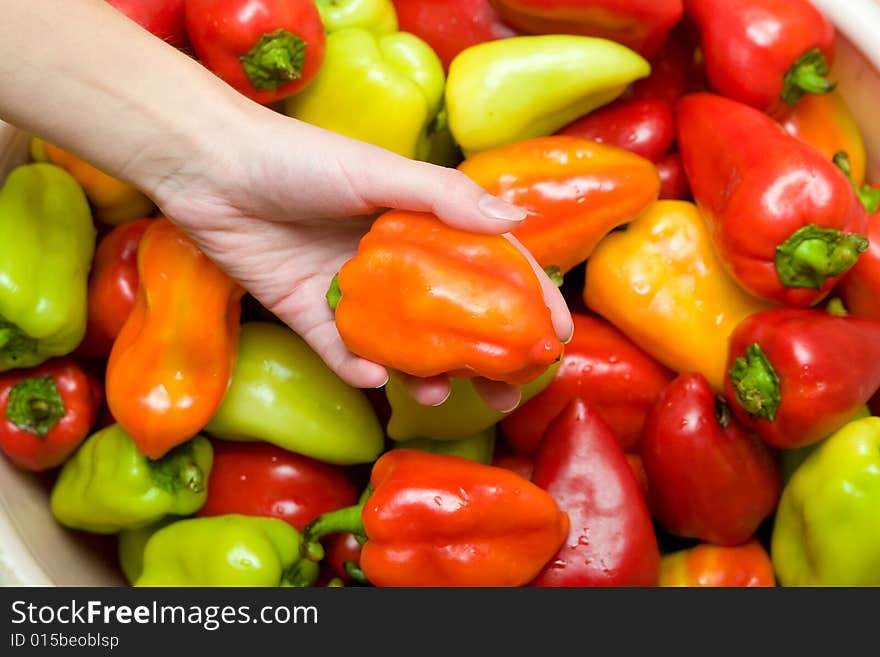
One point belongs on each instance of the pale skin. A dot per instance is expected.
(278, 204)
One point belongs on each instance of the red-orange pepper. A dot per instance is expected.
(171, 363)
(427, 299)
(746, 565)
(575, 190)
(441, 520)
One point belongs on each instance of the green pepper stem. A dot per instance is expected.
(5, 336)
(334, 293)
(812, 254)
(341, 520)
(869, 196)
(835, 306)
(15, 343)
(756, 383)
(276, 58)
(807, 75)
(35, 405)
(354, 571)
(179, 470)
(555, 274)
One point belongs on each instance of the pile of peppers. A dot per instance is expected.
(694, 183)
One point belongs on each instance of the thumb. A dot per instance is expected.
(398, 182)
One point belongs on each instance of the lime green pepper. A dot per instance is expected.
(463, 414)
(230, 550)
(108, 486)
(504, 91)
(46, 249)
(283, 393)
(385, 90)
(377, 16)
(827, 526)
(130, 544)
(479, 447)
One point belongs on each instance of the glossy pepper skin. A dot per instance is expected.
(611, 539)
(860, 287)
(46, 412)
(377, 16)
(464, 413)
(661, 284)
(764, 53)
(642, 25)
(505, 91)
(424, 298)
(164, 18)
(826, 123)
(113, 201)
(173, 358)
(675, 70)
(797, 375)
(258, 479)
(113, 284)
(706, 565)
(265, 49)
(282, 393)
(395, 81)
(108, 485)
(450, 26)
(603, 367)
(130, 544)
(45, 256)
(230, 550)
(575, 192)
(673, 180)
(440, 520)
(827, 530)
(785, 221)
(709, 477)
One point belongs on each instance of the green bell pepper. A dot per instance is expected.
(130, 544)
(282, 393)
(479, 448)
(230, 550)
(48, 240)
(504, 91)
(385, 90)
(827, 526)
(377, 16)
(463, 414)
(108, 486)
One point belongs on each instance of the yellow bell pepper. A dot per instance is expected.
(660, 282)
(385, 90)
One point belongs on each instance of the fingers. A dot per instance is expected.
(559, 313)
(502, 397)
(431, 391)
(398, 182)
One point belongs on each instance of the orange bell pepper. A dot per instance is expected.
(575, 190)
(428, 299)
(825, 122)
(746, 565)
(172, 361)
(113, 201)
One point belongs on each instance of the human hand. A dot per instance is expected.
(281, 205)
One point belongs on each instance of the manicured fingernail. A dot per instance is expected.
(382, 385)
(570, 336)
(512, 408)
(494, 208)
(443, 401)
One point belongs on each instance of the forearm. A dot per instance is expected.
(81, 75)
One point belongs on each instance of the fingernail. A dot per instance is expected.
(382, 385)
(443, 401)
(512, 408)
(570, 337)
(494, 208)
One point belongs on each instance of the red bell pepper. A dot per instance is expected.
(675, 70)
(258, 479)
(860, 288)
(450, 26)
(785, 221)
(343, 557)
(113, 284)
(764, 53)
(441, 520)
(644, 127)
(46, 412)
(642, 25)
(796, 376)
(611, 540)
(604, 368)
(673, 180)
(746, 565)
(164, 18)
(266, 49)
(709, 477)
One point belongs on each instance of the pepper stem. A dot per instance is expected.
(555, 274)
(334, 293)
(35, 405)
(179, 470)
(869, 196)
(812, 254)
(354, 571)
(341, 520)
(807, 75)
(756, 383)
(275, 59)
(15, 343)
